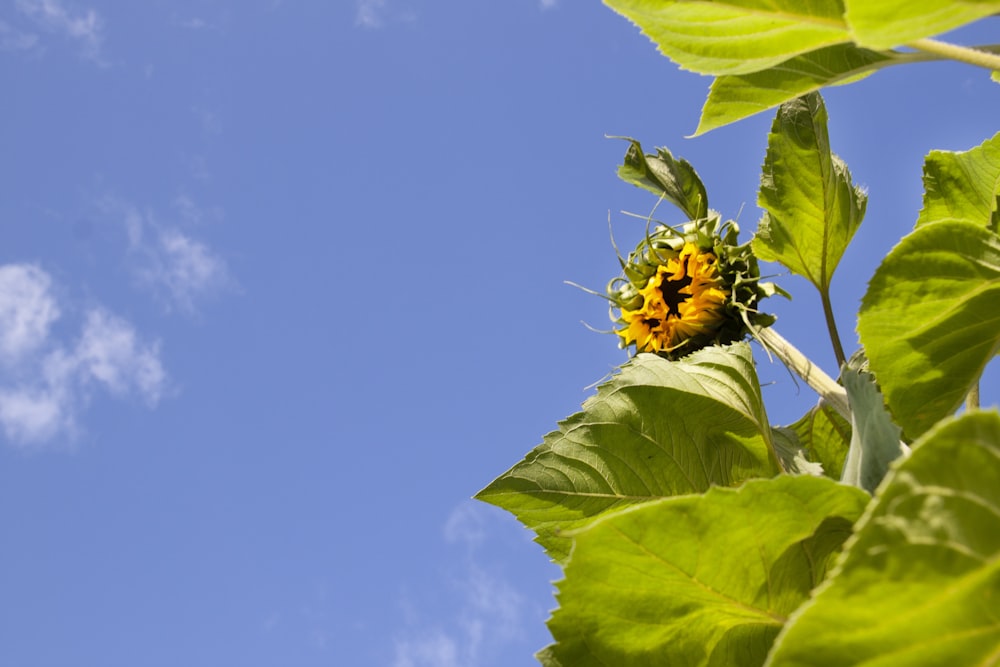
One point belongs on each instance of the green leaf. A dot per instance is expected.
(735, 36)
(930, 321)
(658, 428)
(963, 186)
(826, 437)
(882, 24)
(699, 580)
(875, 440)
(546, 657)
(737, 96)
(811, 208)
(665, 176)
(918, 584)
(793, 457)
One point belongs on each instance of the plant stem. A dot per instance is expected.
(831, 325)
(813, 375)
(963, 54)
(972, 398)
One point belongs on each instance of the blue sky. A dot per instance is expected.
(281, 287)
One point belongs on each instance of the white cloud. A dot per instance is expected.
(371, 13)
(48, 383)
(185, 267)
(86, 27)
(438, 650)
(490, 611)
(466, 525)
(548, 4)
(33, 415)
(376, 13)
(27, 310)
(170, 262)
(110, 352)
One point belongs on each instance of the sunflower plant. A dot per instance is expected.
(690, 530)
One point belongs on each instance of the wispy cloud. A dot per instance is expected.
(490, 612)
(84, 27)
(27, 310)
(47, 382)
(109, 351)
(12, 39)
(186, 268)
(173, 264)
(196, 23)
(371, 13)
(376, 14)
(548, 4)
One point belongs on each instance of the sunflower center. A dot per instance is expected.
(660, 324)
(671, 290)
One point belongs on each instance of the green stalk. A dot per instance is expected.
(972, 398)
(965, 54)
(813, 375)
(831, 326)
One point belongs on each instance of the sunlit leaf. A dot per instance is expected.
(930, 320)
(666, 176)
(546, 657)
(875, 440)
(825, 436)
(736, 96)
(963, 186)
(658, 428)
(882, 24)
(735, 36)
(811, 208)
(793, 456)
(919, 584)
(699, 580)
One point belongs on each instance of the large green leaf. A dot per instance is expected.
(699, 580)
(930, 320)
(736, 96)
(875, 440)
(735, 36)
(882, 24)
(963, 186)
(920, 583)
(658, 428)
(665, 176)
(811, 208)
(825, 436)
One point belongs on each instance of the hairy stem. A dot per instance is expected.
(813, 375)
(965, 54)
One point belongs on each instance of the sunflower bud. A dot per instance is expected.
(682, 290)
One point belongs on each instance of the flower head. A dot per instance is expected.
(683, 290)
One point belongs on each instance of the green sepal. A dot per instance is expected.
(672, 178)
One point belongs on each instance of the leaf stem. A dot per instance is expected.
(813, 375)
(965, 54)
(972, 398)
(831, 325)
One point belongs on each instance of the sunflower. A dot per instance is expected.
(685, 289)
(685, 298)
